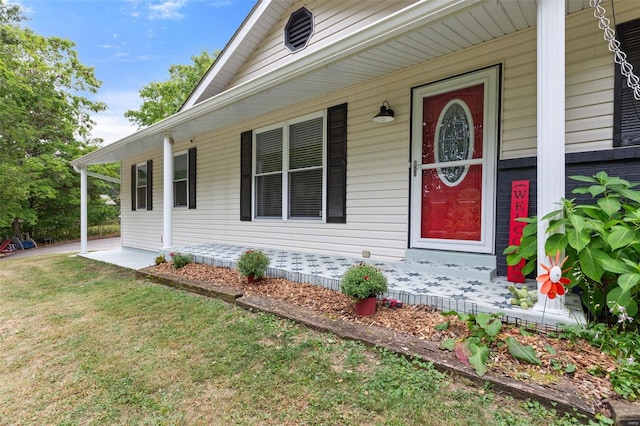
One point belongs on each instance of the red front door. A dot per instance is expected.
(452, 169)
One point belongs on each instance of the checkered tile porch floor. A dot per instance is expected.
(444, 291)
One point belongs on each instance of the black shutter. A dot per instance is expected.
(134, 171)
(150, 185)
(246, 157)
(626, 122)
(192, 178)
(337, 164)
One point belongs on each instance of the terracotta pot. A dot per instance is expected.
(366, 307)
(252, 279)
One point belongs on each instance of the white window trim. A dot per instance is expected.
(186, 179)
(284, 125)
(146, 183)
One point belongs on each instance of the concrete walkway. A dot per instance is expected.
(108, 250)
(74, 247)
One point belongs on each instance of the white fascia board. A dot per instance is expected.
(410, 18)
(227, 53)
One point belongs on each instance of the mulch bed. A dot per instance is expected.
(590, 379)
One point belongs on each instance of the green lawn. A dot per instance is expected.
(84, 343)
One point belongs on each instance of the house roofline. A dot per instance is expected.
(420, 14)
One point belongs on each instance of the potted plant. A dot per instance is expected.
(253, 265)
(363, 282)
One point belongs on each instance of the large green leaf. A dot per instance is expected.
(596, 190)
(529, 267)
(577, 221)
(552, 214)
(633, 265)
(478, 358)
(522, 352)
(593, 212)
(578, 239)
(581, 178)
(530, 229)
(628, 281)
(621, 237)
(609, 205)
(528, 247)
(554, 243)
(615, 266)
(589, 261)
(448, 344)
(630, 194)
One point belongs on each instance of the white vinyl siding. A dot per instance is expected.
(378, 154)
(331, 19)
(142, 229)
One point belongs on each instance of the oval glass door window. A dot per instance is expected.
(454, 141)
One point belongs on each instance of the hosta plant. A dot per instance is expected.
(601, 237)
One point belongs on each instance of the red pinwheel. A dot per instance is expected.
(553, 282)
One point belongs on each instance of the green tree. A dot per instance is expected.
(164, 98)
(45, 121)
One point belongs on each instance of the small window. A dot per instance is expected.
(180, 182)
(141, 186)
(298, 30)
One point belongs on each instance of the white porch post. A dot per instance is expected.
(550, 126)
(83, 209)
(167, 173)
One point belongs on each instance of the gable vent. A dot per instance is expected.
(299, 29)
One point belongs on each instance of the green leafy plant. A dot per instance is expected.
(474, 349)
(623, 345)
(181, 260)
(160, 259)
(602, 241)
(253, 263)
(363, 280)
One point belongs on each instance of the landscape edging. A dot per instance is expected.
(565, 400)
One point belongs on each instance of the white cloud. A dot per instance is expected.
(169, 9)
(111, 125)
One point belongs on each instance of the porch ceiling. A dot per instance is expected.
(421, 32)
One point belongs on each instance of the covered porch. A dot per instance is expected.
(445, 287)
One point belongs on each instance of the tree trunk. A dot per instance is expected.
(15, 226)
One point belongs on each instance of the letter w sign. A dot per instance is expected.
(519, 208)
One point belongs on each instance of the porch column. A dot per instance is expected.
(167, 173)
(550, 126)
(83, 209)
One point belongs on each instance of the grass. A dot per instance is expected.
(84, 343)
(107, 229)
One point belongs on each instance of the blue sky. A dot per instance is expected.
(133, 42)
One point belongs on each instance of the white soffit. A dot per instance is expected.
(421, 32)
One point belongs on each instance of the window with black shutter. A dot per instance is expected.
(142, 186)
(286, 167)
(184, 179)
(626, 128)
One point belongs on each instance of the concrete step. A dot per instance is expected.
(480, 267)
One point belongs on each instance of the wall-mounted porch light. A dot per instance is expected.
(385, 115)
